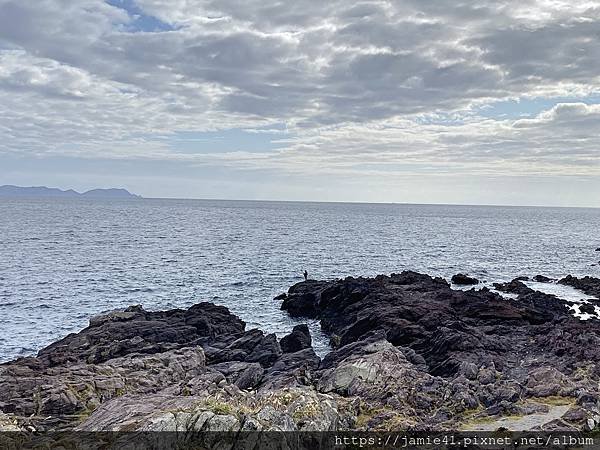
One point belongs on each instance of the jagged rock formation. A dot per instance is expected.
(465, 355)
(408, 352)
(298, 339)
(127, 361)
(465, 280)
(589, 285)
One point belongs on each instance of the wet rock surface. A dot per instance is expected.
(409, 352)
(462, 279)
(588, 285)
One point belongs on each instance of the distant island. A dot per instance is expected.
(43, 191)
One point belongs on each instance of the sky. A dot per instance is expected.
(416, 101)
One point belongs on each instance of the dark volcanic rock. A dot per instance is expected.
(266, 352)
(292, 369)
(304, 299)
(514, 287)
(462, 279)
(297, 340)
(589, 285)
(410, 353)
(444, 326)
(485, 346)
(542, 279)
(238, 350)
(137, 331)
(587, 308)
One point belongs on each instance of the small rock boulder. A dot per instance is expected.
(292, 369)
(587, 308)
(266, 352)
(297, 340)
(462, 279)
(243, 375)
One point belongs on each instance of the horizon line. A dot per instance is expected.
(365, 202)
(351, 202)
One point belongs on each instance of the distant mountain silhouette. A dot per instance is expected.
(43, 191)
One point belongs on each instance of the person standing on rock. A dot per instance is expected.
(305, 275)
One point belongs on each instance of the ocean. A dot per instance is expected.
(65, 260)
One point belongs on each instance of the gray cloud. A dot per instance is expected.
(357, 84)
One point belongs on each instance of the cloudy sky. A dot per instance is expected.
(489, 101)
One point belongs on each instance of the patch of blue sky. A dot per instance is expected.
(258, 140)
(506, 109)
(140, 21)
(529, 107)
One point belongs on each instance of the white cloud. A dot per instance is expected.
(352, 81)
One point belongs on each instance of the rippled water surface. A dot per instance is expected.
(62, 261)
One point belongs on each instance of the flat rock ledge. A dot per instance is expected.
(408, 353)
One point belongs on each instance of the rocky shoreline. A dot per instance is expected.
(409, 353)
